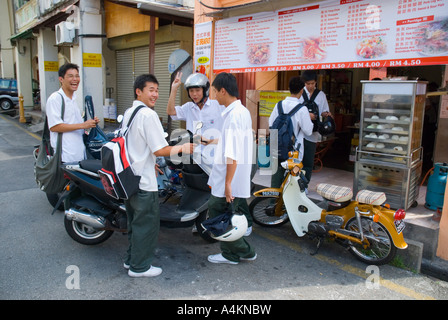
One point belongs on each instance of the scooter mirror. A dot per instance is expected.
(120, 118)
(199, 125)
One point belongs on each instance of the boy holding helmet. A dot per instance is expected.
(230, 176)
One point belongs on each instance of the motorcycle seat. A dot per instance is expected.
(371, 197)
(334, 193)
(92, 165)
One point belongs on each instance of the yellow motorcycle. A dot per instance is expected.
(366, 226)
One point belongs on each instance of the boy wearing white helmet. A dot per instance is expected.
(200, 109)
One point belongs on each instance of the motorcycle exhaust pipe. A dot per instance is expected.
(91, 220)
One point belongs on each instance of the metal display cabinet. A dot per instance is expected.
(389, 155)
(400, 184)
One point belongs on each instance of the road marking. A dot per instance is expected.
(20, 127)
(345, 267)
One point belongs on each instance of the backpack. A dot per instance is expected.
(312, 107)
(117, 176)
(285, 131)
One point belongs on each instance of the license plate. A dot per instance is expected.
(399, 225)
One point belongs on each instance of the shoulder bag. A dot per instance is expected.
(47, 168)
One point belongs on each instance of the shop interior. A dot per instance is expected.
(343, 89)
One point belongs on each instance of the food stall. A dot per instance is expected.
(389, 156)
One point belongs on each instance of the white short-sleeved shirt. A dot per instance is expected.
(73, 148)
(209, 115)
(301, 120)
(322, 103)
(236, 142)
(144, 137)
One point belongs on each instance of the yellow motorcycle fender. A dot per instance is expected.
(268, 192)
(387, 220)
(275, 193)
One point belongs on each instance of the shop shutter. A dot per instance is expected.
(134, 62)
(163, 52)
(125, 79)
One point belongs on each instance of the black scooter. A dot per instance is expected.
(92, 216)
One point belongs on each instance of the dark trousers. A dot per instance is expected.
(240, 248)
(143, 229)
(278, 177)
(309, 150)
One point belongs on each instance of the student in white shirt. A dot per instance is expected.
(301, 122)
(145, 142)
(73, 125)
(200, 108)
(231, 174)
(310, 141)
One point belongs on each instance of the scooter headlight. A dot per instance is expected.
(295, 171)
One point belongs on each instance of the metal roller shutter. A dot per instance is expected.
(163, 52)
(125, 79)
(134, 62)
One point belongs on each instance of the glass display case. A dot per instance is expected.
(389, 154)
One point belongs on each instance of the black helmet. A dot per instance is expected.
(326, 126)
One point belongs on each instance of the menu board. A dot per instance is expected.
(335, 34)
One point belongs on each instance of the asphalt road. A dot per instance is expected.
(41, 262)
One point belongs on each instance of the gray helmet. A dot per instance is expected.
(198, 80)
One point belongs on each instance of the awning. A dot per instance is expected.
(27, 34)
(176, 13)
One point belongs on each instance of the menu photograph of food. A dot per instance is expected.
(335, 34)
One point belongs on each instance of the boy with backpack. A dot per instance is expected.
(292, 123)
(317, 104)
(145, 142)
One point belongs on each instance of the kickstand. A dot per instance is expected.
(319, 243)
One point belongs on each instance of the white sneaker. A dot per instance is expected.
(218, 258)
(248, 232)
(249, 259)
(151, 272)
(126, 266)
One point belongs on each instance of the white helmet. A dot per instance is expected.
(237, 229)
(198, 80)
(227, 226)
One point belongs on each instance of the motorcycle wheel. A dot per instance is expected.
(381, 249)
(204, 235)
(85, 234)
(262, 211)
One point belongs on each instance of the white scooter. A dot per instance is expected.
(370, 230)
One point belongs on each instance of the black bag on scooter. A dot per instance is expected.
(96, 137)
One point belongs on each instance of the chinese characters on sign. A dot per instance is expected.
(202, 47)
